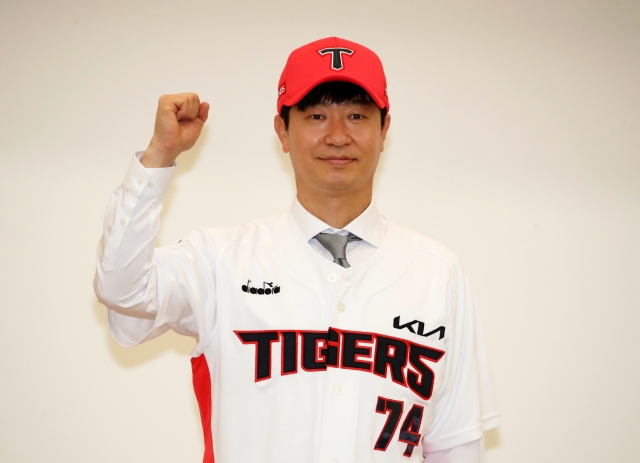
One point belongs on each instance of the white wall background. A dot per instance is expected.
(515, 141)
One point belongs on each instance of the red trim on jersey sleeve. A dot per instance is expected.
(202, 388)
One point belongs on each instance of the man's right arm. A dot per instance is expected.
(127, 270)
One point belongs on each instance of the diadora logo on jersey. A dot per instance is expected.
(409, 326)
(336, 56)
(267, 288)
(403, 361)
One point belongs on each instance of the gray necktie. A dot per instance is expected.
(337, 246)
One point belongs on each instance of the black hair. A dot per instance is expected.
(335, 92)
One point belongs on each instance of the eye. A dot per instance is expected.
(357, 116)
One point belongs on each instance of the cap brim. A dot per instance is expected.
(294, 99)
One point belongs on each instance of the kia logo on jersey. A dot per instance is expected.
(336, 56)
(267, 288)
(420, 332)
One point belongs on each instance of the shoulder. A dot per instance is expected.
(258, 232)
(422, 244)
(209, 245)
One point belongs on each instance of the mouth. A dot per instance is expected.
(337, 160)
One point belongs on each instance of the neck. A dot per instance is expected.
(336, 209)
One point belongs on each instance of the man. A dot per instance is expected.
(325, 334)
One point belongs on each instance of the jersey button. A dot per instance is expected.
(334, 461)
(139, 181)
(338, 390)
(332, 278)
(342, 307)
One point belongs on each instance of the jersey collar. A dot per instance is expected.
(370, 225)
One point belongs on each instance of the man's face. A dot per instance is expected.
(334, 149)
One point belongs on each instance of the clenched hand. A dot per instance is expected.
(179, 122)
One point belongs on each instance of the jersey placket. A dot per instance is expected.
(342, 388)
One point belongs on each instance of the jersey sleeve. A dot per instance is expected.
(466, 405)
(148, 291)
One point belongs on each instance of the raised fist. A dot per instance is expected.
(179, 121)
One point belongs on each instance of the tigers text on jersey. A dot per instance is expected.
(299, 359)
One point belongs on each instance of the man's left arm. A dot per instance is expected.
(466, 406)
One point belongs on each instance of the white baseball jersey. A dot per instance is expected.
(299, 359)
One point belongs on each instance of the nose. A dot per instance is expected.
(337, 133)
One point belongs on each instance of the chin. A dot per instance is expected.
(340, 183)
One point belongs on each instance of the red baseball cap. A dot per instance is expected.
(327, 60)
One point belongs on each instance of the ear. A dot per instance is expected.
(281, 131)
(385, 128)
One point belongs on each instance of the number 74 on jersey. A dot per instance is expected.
(408, 431)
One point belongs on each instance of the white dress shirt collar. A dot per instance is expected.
(370, 225)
